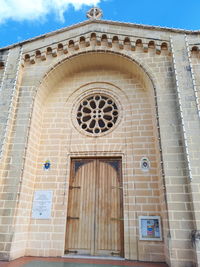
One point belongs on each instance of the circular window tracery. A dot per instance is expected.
(97, 113)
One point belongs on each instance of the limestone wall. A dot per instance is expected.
(136, 66)
(132, 139)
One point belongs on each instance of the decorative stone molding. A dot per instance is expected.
(194, 49)
(100, 40)
(96, 111)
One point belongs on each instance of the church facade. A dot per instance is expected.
(99, 144)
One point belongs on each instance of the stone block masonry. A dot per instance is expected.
(152, 77)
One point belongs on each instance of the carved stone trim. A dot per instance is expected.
(97, 39)
(96, 111)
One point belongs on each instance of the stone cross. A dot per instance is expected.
(94, 13)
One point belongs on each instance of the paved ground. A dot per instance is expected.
(61, 262)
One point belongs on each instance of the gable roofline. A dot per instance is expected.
(116, 23)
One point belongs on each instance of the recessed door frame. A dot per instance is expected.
(112, 157)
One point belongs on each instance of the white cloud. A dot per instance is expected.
(37, 9)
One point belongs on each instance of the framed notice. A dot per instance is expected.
(150, 228)
(42, 203)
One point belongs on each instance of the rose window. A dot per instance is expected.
(97, 114)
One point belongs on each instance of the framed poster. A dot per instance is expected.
(42, 203)
(150, 228)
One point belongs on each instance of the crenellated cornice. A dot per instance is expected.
(98, 40)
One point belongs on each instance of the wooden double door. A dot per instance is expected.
(95, 208)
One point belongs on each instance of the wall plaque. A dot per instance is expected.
(42, 203)
(145, 164)
(150, 228)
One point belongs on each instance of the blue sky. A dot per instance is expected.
(24, 19)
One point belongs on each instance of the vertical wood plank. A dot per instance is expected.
(81, 206)
(109, 227)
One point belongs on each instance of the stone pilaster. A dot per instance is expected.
(190, 128)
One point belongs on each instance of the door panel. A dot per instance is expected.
(108, 223)
(80, 219)
(94, 223)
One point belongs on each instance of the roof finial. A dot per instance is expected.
(95, 13)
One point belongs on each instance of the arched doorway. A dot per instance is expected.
(128, 132)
